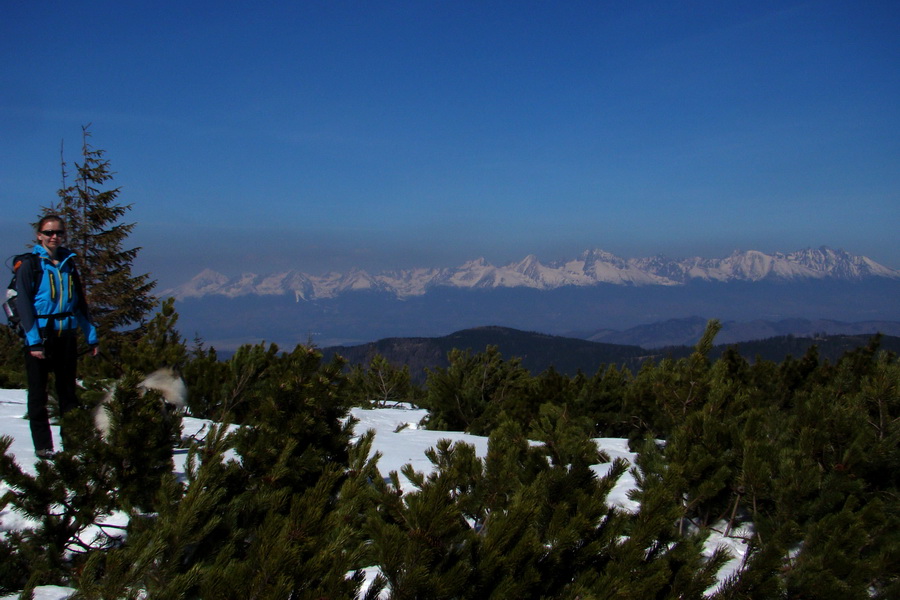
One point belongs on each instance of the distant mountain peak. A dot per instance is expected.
(593, 267)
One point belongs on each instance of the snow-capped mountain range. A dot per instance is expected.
(592, 268)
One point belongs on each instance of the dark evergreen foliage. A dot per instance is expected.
(226, 391)
(283, 518)
(798, 459)
(470, 394)
(12, 361)
(75, 492)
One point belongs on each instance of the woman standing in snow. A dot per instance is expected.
(51, 306)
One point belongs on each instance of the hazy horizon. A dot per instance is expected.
(320, 137)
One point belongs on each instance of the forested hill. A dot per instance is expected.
(539, 351)
(829, 347)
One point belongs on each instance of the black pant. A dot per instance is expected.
(60, 358)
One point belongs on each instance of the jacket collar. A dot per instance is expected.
(62, 254)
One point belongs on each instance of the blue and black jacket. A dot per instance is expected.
(59, 306)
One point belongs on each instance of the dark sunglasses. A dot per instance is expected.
(52, 232)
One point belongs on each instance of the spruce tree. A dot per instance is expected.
(119, 299)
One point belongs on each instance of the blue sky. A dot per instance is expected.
(328, 135)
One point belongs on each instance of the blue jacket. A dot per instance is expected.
(59, 303)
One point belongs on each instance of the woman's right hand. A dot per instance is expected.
(37, 353)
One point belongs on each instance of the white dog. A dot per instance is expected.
(165, 381)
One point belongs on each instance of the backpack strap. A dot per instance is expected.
(36, 269)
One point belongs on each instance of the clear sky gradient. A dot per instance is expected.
(326, 135)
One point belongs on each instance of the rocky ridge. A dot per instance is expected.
(591, 268)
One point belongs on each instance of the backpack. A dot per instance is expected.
(9, 305)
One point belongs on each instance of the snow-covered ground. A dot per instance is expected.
(397, 438)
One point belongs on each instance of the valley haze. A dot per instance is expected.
(594, 291)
